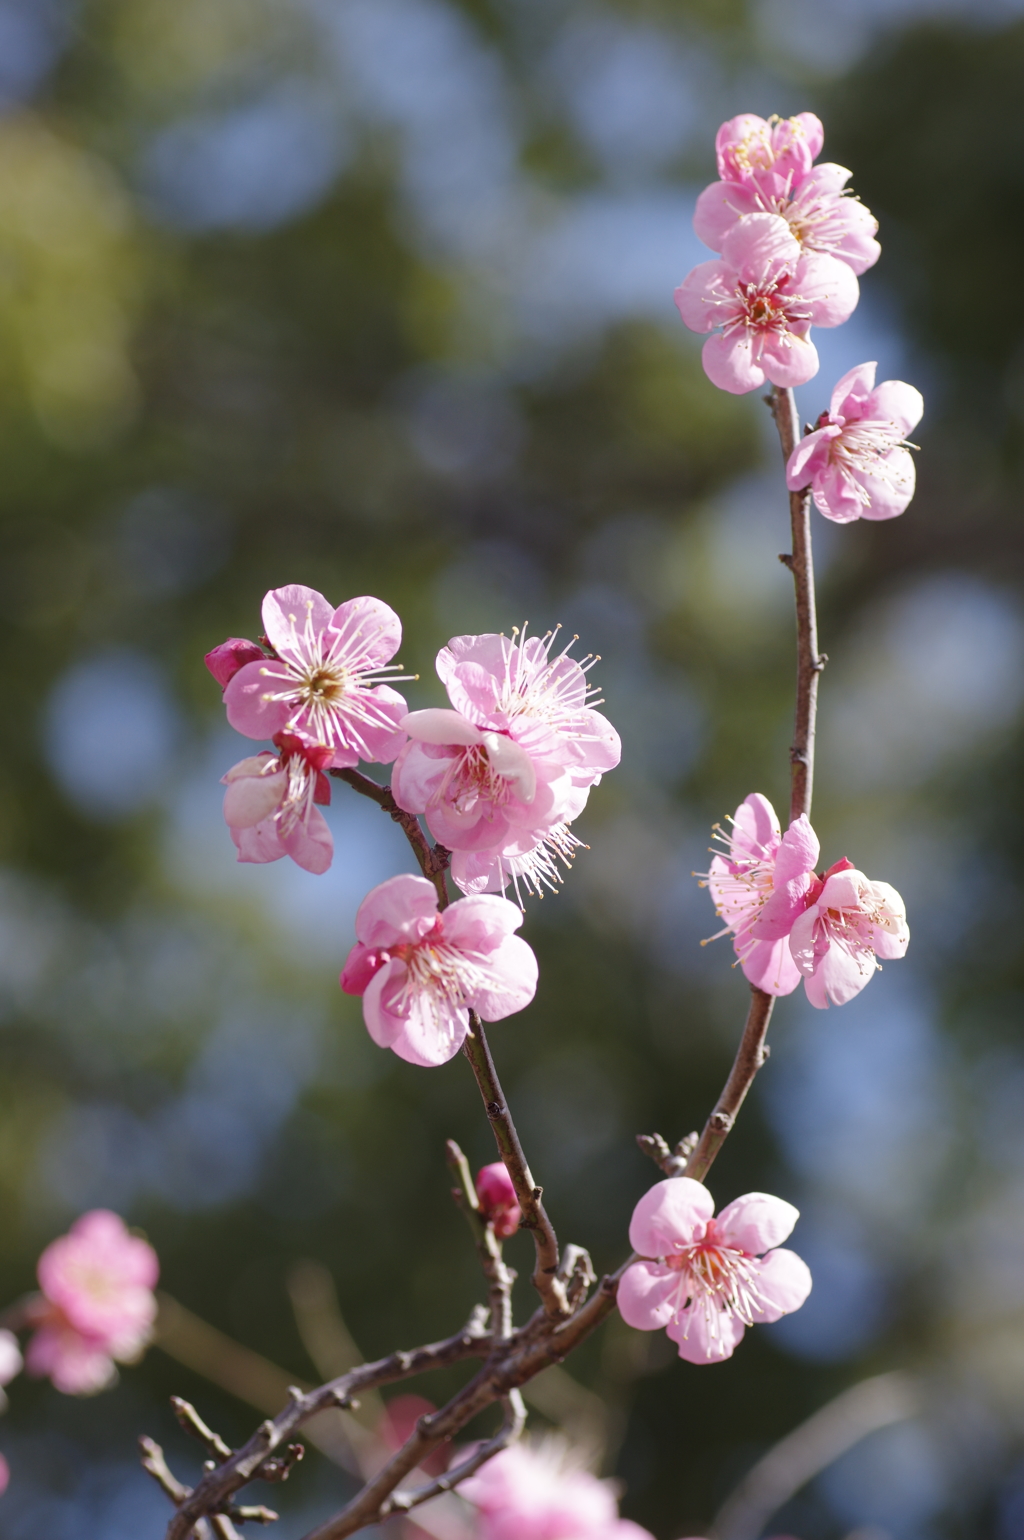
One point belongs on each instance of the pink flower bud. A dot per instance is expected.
(498, 1199)
(225, 661)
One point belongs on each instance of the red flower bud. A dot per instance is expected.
(498, 1199)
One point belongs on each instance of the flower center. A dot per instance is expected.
(472, 779)
(720, 1280)
(324, 684)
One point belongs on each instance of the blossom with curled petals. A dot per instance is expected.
(706, 1279)
(327, 678)
(421, 972)
(759, 300)
(269, 804)
(847, 924)
(534, 1491)
(759, 883)
(856, 460)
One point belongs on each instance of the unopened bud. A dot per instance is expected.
(498, 1199)
(225, 661)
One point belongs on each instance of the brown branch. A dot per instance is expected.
(432, 859)
(500, 1277)
(545, 1275)
(809, 662)
(511, 1428)
(750, 1055)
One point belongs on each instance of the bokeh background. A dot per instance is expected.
(375, 295)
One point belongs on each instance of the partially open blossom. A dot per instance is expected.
(774, 154)
(97, 1304)
(421, 972)
(498, 1203)
(228, 657)
(517, 753)
(328, 679)
(705, 1280)
(848, 923)
(532, 1491)
(269, 804)
(857, 460)
(764, 293)
(532, 866)
(759, 884)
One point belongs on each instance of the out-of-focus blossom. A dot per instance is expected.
(498, 1203)
(401, 1414)
(517, 754)
(97, 1304)
(531, 1492)
(10, 1356)
(5, 1475)
(327, 678)
(705, 1280)
(764, 293)
(765, 168)
(534, 868)
(857, 460)
(269, 804)
(228, 657)
(759, 886)
(848, 923)
(421, 972)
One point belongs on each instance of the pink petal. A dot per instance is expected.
(839, 976)
(835, 498)
(259, 844)
(813, 132)
(649, 1295)
(889, 494)
(512, 979)
(250, 796)
(368, 631)
(285, 611)
(248, 711)
(416, 776)
(729, 363)
(761, 247)
(422, 1030)
(441, 726)
(701, 295)
(791, 359)
(794, 865)
(705, 1337)
(670, 1214)
(893, 401)
(382, 739)
(853, 391)
(481, 923)
(756, 830)
(512, 763)
(770, 966)
(809, 458)
(784, 1282)
(402, 909)
(361, 965)
(719, 207)
(310, 844)
(857, 245)
(826, 180)
(480, 828)
(828, 287)
(756, 1222)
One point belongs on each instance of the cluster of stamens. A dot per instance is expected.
(718, 1280)
(544, 690)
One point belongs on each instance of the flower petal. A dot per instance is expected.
(440, 725)
(671, 1214)
(893, 401)
(790, 359)
(650, 1294)
(511, 979)
(762, 247)
(365, 632)
(248, 708)
(310, 843)
(784, 1283)
(828, 287)
(402, 909)
(718, 209)
(703, 292)
(704, 1335)
(756, 1222)
(480, 923)
(285, 612)
(250, 796)
(729, 363)
(512, 763)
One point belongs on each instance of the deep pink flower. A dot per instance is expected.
(857, 459)
(759, 886)
(98, 1303)
(420, 973)
(848, 923)
(705, 1279)
(326, 680)
(774, 154)
(531, 1492)
(269, 804)
(765, 293)
(517, 754)
(533, 866)
(225, 660)
(498, 1202)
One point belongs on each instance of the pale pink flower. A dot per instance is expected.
(531, 1491)
(765, 293)
(269, 804)
(517, 754)
(848, 923)
(421, 972)
(98, 1304)
(498, 1202)
(774, 154)
(856, 460)
(526, 865)
(821, 214)
(759, 886)
(326, 680)
(228, 657)
(705, 1280)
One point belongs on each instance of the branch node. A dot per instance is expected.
(786, 559)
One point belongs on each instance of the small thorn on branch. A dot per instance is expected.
(786, 559)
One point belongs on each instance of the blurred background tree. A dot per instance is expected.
(375, 295)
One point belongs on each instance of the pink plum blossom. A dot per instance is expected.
(325, 679)
(228, 657)
(856, 460)
(97, 1304)
(759, 885)
(764, 293)
(421, 972)
(525, 864)
(269, 804)
(774, 154)
(705, 1280)
(531, 1491)
(848, 923)
(498, 1202)
(516, 754)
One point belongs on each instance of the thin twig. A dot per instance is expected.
(191, 1421)
(809, 661)
(154, 1464)
(500, 1277)
(750, 1055)
(529, 1195)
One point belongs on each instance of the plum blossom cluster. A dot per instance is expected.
(831, 930)
(792, 241)
(532, 1491)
